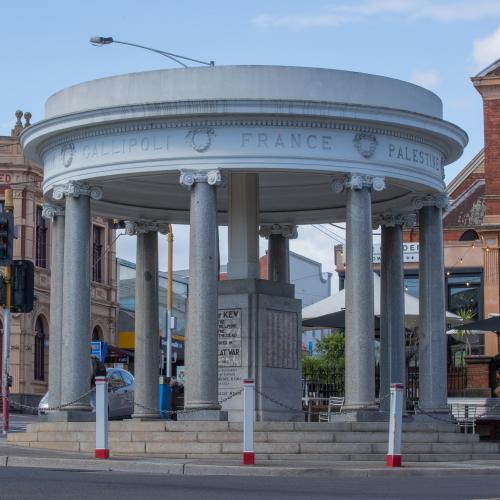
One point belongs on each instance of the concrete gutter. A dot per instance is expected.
(199, 468)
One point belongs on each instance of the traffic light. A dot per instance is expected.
(22, 286)
(3, 292)
(6, 237)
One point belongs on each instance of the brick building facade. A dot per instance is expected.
(30, 335)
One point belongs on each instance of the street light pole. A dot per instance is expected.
(99, 41)
(9, 208)
(170, 241)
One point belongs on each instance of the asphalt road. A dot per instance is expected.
(28, 484)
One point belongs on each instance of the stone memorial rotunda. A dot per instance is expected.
(261, 149)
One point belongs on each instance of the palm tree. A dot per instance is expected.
(462, 331)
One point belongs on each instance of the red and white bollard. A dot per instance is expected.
(248, 416)
(101, 417)
(395, 426)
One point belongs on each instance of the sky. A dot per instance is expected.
(436, 44)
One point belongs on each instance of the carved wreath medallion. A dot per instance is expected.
(200, 139)
(366, 144)
(67, 153)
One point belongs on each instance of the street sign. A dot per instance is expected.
(99, 350)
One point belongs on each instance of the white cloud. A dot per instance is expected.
(343, 13)
(298, 22)
(487, 50)
(429, 79)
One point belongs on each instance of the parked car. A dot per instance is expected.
(120, 395)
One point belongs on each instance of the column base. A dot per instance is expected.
(146, 416)
(359, 415)
(68, 416)
(436, 415)
(202, 414)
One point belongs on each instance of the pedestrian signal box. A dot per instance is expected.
(6, 238)
(22, 286)
(3, 292)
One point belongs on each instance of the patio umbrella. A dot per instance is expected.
(484, 325)
(480, 327)
(336, 303)
(333, 320)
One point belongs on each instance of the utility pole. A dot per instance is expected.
(9, 208)
(170, 241)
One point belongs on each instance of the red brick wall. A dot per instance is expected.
(478, 374)
(492, 154)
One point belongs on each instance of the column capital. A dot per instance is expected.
(76, 189)
(133, 227)
(52, 211)
(189, 177)
(286, 230)
(439, 200)
(357, 182)
(408, 221)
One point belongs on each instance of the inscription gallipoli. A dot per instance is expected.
(125, 146)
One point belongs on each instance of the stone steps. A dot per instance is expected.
(273, 440)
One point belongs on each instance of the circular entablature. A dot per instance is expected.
(325, 125)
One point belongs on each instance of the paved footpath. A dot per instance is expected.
(16, 456)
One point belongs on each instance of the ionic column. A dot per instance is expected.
(360, 326)
(147, 327)
(432, 348)
(278, 254)
(76, 292)
(201, 370)
(392, 305)
(56, 215)
(243, 230)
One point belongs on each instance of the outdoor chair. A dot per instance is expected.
(334, 406)
(466, 416)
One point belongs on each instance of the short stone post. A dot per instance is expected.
(101, 417)
(395, 426)
(248, 418)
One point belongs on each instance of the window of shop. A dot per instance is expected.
(411, 284)
(97, 253)
(465, 294)
(41, 239)
(39, 350)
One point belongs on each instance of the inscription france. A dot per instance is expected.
(229, 324)
(267, 140)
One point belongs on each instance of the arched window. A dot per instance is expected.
(97, 334)
(469, 235)
(39, 349)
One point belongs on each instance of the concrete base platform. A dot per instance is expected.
(273, 441)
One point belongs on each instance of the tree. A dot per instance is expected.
(463, 331)
(332, 349)
(330, 360)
